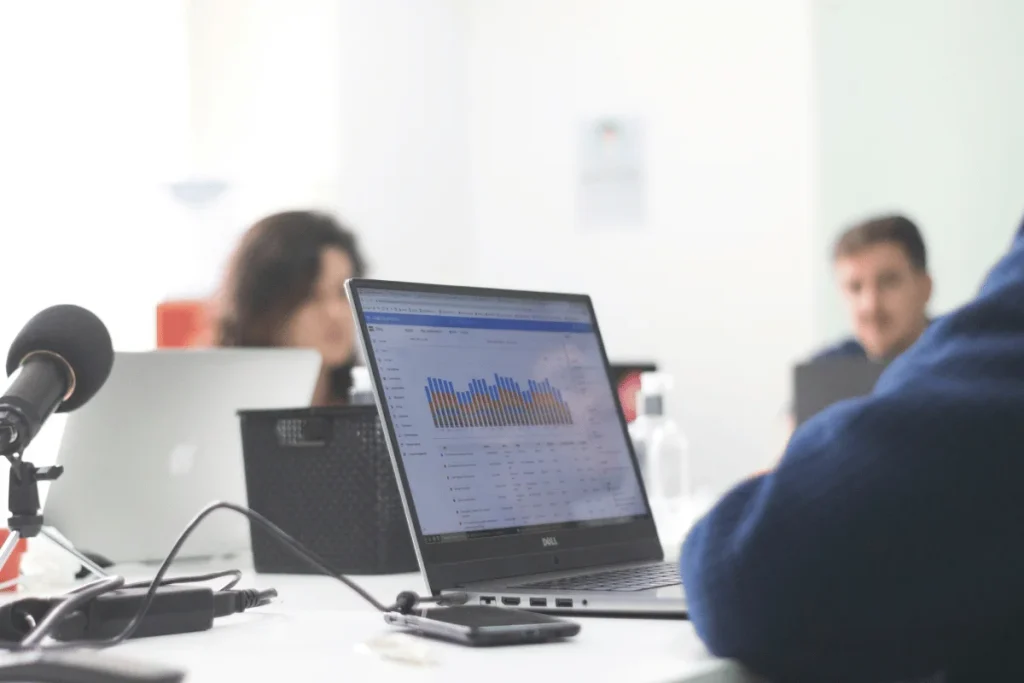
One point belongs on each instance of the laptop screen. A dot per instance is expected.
(502, 413)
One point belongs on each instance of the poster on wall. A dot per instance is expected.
(611, 192)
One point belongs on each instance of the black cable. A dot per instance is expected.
(235, 574)
(278, 533)
(230, 602)
(405, 602)
(96, 589)
(69, 605)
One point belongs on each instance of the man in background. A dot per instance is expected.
(881, 267)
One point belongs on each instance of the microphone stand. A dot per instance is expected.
(26, 520)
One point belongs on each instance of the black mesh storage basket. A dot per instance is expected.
(324, 475)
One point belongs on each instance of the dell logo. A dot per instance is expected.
(549, 541)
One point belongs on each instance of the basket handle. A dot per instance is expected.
(304, 432)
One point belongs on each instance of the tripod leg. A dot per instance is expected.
(70, 549)
(7, 549)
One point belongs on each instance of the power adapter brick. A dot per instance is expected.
(175, 609)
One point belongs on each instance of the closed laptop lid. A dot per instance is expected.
(160, 441)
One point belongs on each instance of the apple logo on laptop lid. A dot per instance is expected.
(183, 458)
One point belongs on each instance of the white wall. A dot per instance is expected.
(444, 132)
(354, 107)
(265, 117)
(718, 287)
(919, 106)
(91, 119)
(405, 148)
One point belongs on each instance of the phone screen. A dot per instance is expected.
(480, 616)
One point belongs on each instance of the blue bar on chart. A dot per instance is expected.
(502, 403)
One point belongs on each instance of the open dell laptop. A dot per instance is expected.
(514, 464)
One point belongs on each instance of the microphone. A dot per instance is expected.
(59, 360)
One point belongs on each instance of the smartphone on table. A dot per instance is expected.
(483, 625)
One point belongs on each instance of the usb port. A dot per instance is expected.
(563, 602)
(486, 599)
(538, 602)
(510, 601)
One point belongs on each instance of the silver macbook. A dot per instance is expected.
(515, 467)
(161, 441)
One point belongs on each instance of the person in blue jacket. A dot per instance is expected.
(888, 543)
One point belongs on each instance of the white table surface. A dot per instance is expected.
(318, 630)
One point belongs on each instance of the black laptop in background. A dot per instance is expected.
(818, 384)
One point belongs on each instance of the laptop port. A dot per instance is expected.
(510, 601)
(486, 599)
(563, 602)
(538, 602)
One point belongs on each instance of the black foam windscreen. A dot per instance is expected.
(77, 336)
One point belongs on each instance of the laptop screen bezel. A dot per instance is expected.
(453, 564)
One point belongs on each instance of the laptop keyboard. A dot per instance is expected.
(615, 580)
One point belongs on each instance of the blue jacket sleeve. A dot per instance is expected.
(890, 535)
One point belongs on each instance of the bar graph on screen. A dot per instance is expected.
(501, 403)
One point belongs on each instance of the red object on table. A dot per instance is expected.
(182, 323)
(12, 568)
(629, 385)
